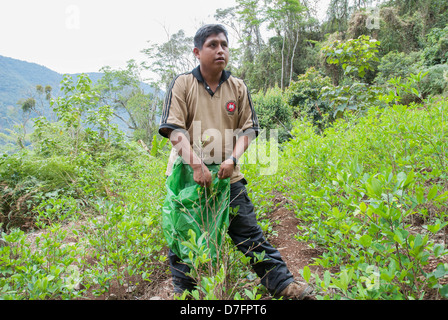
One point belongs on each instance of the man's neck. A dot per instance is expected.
(212, 79)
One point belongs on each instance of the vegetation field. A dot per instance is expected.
(354, 142)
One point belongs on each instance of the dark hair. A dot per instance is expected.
(206, 31)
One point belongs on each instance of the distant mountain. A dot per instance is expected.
(18, 78)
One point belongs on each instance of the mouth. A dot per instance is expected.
(221, 59)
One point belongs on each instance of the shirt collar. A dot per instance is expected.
(197, 74)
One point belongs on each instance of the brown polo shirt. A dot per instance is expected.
(211, 121)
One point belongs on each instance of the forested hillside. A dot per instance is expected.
(26, 90)
(354, 143)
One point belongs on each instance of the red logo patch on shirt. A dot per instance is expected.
(231, 106)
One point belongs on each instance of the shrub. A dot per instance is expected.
(273, 112)
(436, 81)
(356, 56)
(304, 95)
(27, 180)
(67, 157)
(436, 49)
(397, 64)
(371, 194)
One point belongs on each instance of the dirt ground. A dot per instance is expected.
(296, 254)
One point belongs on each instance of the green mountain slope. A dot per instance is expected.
(18, 78)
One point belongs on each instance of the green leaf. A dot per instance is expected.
(409, 179)
(387, 277)
(435, 227)
(432, 193)
(365, 241)
(398, 236)
(419, 196)
(327, 278)
(363, 207)
(440, 271)
(442, 197)
(401, 177)
(336, 213)
(374, 187)
(306, 273)
(444, 291)
(439, 249)
(418, 241)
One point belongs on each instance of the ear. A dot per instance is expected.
(197, 53)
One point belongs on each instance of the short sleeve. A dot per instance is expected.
(174, 114)
(247, 118)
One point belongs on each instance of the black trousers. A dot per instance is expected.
(248, 237)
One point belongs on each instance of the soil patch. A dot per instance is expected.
(296, 254)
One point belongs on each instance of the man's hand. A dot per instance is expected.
(226, 169)
(202, 175)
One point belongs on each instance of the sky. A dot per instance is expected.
(74, 36)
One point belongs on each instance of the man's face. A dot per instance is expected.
(214, 54)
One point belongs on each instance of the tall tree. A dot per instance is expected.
(285, 17)
(122, 90)
(339, 12)
(170, 58)
(245, 20)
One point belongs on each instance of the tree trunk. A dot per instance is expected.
(283, 58)
(293, 54)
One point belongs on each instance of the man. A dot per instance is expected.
(210, 102)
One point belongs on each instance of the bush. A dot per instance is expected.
(397, 64)
(273, 112)
(67, 157)
(436, 81)
(303, 96)
(436, 49)
(26, 180)
(114, 252)
(355, 56)
(371, 194)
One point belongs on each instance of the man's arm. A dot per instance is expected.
(248, 124)
(201, 174)
(227, 167)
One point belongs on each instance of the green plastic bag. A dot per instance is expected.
(189, 206)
